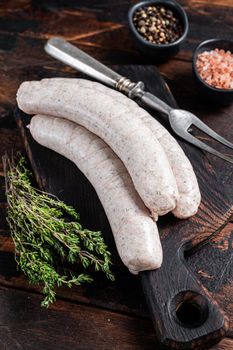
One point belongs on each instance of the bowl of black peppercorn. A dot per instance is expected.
(158, 27)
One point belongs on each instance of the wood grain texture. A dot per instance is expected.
(99, 27)
(82, 327)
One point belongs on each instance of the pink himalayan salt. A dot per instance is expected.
(216, 68)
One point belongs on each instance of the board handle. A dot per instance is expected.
(183, 312)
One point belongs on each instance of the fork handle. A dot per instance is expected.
(69, 54)
(76, 58)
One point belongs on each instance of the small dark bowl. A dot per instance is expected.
(222, 96)
(164, 51)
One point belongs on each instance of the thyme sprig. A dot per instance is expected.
(43, 236)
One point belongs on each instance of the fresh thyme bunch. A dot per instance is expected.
(43, 235)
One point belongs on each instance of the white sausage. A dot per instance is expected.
(134, 231)
(113, 118)
(189, 193)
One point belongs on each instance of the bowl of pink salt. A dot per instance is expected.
(213, 69)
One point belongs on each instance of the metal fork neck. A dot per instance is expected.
(136, 90)
(130, 88)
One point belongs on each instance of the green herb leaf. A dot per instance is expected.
(43, 235)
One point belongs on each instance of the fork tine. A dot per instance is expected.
(202, 126)
(192, 139)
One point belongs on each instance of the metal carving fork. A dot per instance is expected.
(180, 120)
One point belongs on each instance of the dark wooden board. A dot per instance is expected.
(99, 28)
(65, 326)
(59, 176)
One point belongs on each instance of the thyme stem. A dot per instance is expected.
(45, 240)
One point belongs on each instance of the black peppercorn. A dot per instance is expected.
(157, 24)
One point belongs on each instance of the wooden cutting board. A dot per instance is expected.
(184, 313)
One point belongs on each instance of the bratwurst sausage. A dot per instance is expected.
(134, 231)
(112, 118)
(189, 193)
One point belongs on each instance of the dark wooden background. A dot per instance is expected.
(103, 315)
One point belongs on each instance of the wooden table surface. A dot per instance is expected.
(104, 315)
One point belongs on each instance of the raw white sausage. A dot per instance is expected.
(189, 193)
(134, 231)
(116, 120)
